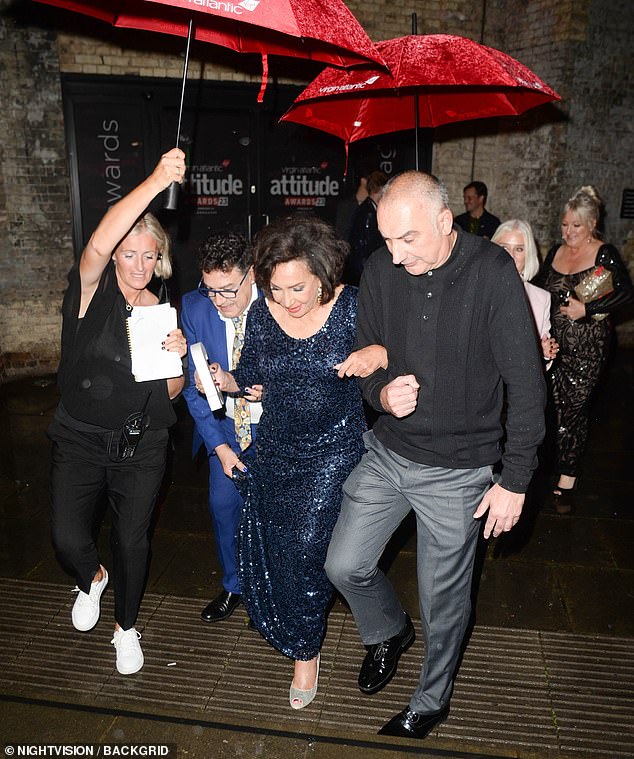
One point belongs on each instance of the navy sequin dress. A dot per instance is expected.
(309, 439)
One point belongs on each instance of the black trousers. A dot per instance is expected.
(81, 471)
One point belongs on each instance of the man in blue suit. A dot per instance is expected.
(214, 314)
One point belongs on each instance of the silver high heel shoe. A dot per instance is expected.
(300, 698)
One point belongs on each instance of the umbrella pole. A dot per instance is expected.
(171, 199)
(416, 160)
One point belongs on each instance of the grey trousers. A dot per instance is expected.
(378, 494)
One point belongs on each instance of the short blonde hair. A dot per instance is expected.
(588, 205)
(531, 261)
(149, 223)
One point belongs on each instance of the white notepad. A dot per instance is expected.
(214, 396)
(147, 328)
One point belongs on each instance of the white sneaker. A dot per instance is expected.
(129, 654)
(86, 608)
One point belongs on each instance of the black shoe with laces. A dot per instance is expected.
(381, 661)
(410, 724)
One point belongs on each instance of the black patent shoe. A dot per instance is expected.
(410, 724)
(221, 607)
(381, 661)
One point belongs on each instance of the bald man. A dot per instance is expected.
(450, 309)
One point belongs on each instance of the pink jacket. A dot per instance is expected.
(540, 301)
(540, 305)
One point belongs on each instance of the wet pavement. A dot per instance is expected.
(547, 672)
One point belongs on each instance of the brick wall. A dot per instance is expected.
(600, 144)
(35, 241)
(582, 48)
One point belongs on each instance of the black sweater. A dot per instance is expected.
(466, 332)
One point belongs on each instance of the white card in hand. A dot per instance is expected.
(214, 396)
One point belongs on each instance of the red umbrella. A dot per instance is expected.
(451, 78)
(321, 30)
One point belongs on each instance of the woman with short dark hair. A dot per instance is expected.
(304, 239)
(298, 345)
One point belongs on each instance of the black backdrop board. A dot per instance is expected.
(107, 157)
(304, 172)
(216, 194)
(390, 153)
(244, 168)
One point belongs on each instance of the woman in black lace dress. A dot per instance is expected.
(583, 330)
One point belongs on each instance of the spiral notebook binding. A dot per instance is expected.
(129, 334)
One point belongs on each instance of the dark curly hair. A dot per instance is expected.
(224, 250)
(305, 238)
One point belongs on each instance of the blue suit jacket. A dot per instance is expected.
(201, 323)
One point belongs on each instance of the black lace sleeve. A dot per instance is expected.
(623, 293)
(540, 279)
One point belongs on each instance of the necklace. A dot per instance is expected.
(129, 306)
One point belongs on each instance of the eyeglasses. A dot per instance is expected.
(208, 292)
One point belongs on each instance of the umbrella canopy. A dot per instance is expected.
(321, 30)
(452, 78)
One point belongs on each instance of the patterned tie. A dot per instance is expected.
(241, 409)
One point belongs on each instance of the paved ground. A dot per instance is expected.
(547, 672)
